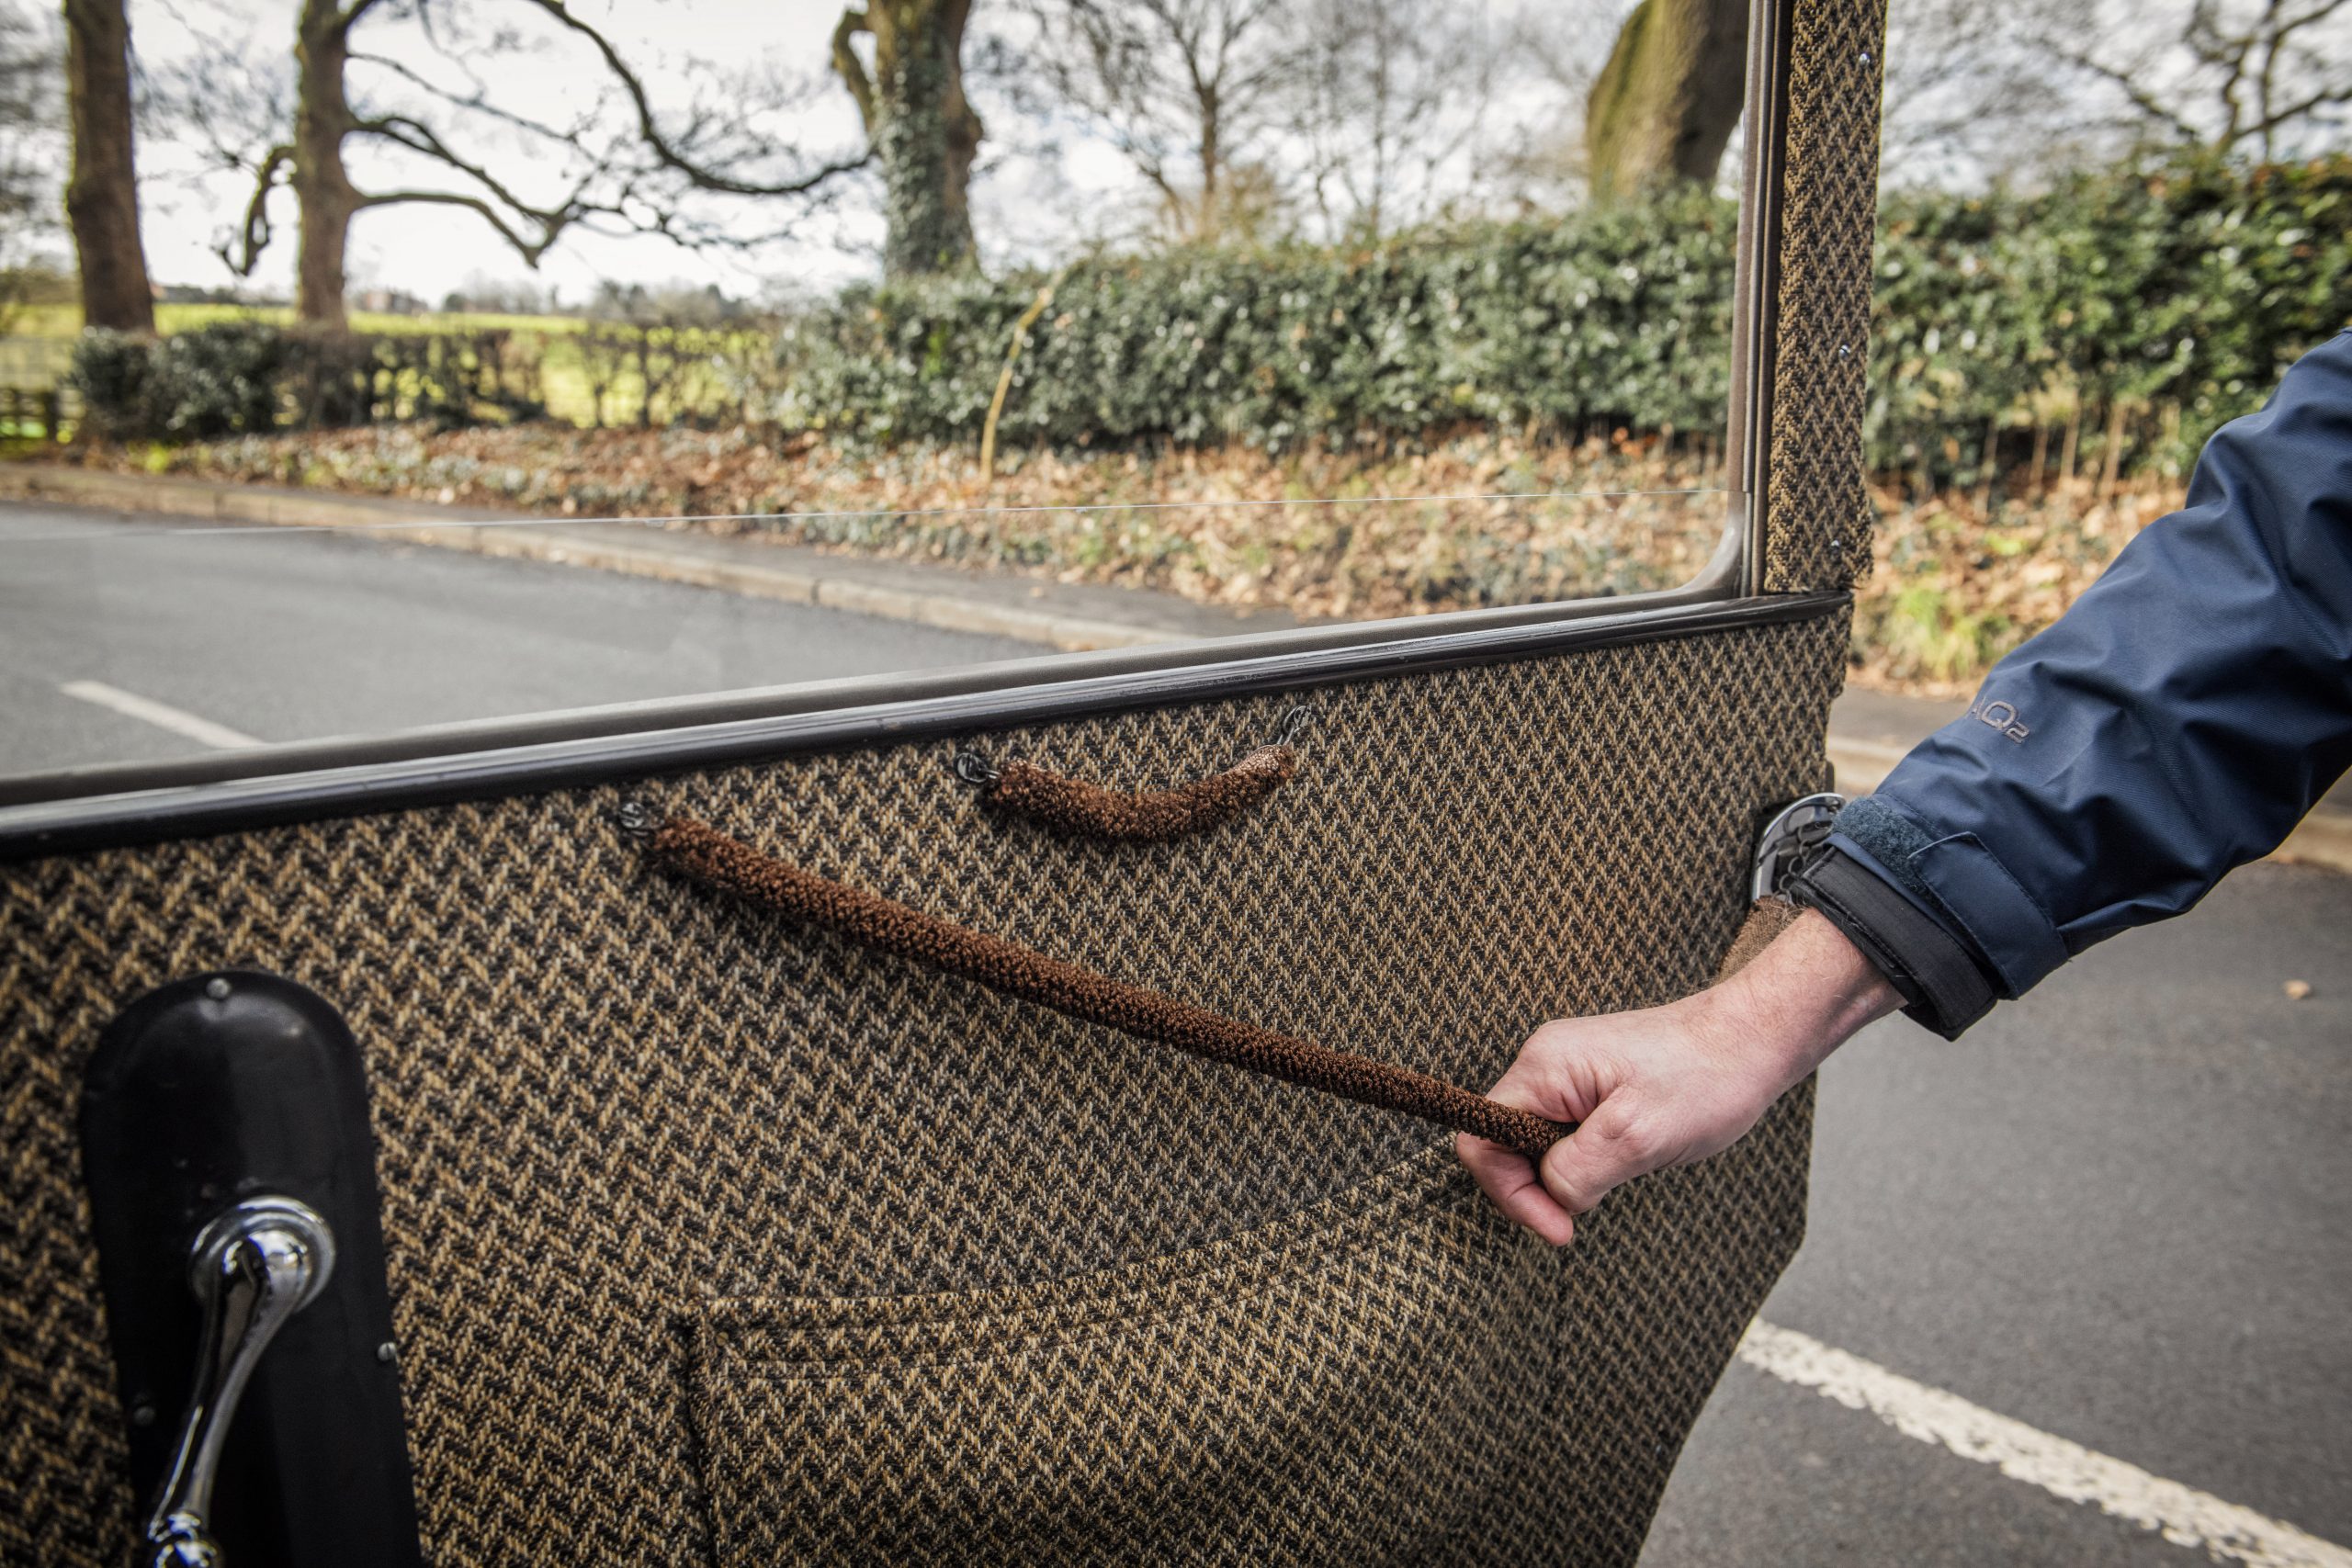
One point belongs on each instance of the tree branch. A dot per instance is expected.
(2206, 40)
(850, 69)
(243, 254)
(474, 102)
(420, 137)
(2304, 105)
(684, 232)
(2318, 13)
(2140, 97)
(670, 156)
(528, 251)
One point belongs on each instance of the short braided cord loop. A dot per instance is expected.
(713, 858)
(1063, 804)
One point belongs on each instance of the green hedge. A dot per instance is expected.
(2172, 296)
(218, 380)
(246, 377)
(2180, 291)
(1617, 314)
(2153, 302)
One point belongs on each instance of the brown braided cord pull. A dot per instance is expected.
(713, 858)
(1072, 806)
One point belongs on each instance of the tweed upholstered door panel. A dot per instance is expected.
(616, 1113)
(1346, 1386)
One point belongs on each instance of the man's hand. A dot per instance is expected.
(1668, 1084)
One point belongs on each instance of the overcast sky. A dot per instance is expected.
(430, 251)
(1046, 182)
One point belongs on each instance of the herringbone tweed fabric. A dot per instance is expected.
(735, 869)
(1388, 1377)
(712, 1239)
(1816, 508)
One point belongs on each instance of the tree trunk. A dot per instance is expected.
(1209, 223)
(102, 193)
(923, 130)
(1664, 107)
(322, 191)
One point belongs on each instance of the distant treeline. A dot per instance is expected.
(2107, 323)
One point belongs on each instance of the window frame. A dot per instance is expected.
(83, 808)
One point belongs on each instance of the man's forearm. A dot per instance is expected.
(1804, 996)
(1943, 981)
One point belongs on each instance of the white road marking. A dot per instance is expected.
(2182, 1514)
(163, 715)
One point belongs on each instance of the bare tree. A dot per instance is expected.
(1979, 88)
(1663, 107)
(1381, 97)
(2264, 77)
(1970, 93)
(921, 128)
(31, 127)
(310, 157)
(590, 174)
(1185, 89)
(1558, 52)
(102, 193)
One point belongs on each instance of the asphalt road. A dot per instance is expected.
(2119, 1211)
(296, 636)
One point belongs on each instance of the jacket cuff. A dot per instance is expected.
(1959, 883)
(1942, 984)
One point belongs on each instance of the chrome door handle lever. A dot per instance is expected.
(1796, 830)
(254, 1266)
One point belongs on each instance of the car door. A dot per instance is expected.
(670, 1229)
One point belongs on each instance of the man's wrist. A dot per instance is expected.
(1944, 983)
(1802, 996)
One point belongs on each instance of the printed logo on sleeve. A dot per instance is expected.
(2002, 716)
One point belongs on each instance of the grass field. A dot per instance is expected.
(65, 320)
(35, 353)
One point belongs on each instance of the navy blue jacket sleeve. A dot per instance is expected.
(2177, 721)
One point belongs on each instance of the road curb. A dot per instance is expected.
(1863, 765)
(485, 535)
(2323, 838)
